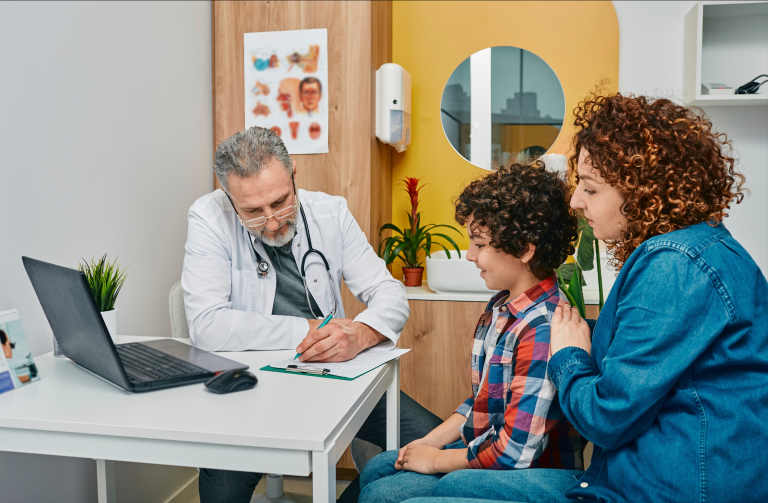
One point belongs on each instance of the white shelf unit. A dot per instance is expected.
(725, 42)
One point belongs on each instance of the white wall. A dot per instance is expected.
(105, 142)
(651, 63)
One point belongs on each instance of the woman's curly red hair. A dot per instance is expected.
(670, 166)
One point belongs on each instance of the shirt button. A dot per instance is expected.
(584, 484)
(503, 308)
(498, 330)
(315, 280)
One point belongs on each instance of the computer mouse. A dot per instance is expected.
(231, 381)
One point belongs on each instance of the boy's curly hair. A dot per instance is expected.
(523, 204)
(671, 168)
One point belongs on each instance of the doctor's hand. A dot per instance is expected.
(569, 329)
(340, 340)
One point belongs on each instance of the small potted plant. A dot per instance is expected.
(105, 280)
(407, 243)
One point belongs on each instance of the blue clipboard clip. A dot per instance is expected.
(307, 370)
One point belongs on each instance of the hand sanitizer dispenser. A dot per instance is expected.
(393, 106)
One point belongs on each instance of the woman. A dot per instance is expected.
(673, 387)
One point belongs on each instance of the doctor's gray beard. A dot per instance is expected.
(282, 236)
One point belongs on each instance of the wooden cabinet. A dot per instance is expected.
(440, 334)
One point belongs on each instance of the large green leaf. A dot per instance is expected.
(429, 227)
(397, 250)
(574, 288)
(567, 270)
(585, 253)
(390, 244)
(390, 227)
(451, 241)
(428, 245)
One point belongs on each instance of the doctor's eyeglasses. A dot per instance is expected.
(280, 216)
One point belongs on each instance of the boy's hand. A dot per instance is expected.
(419, 441)
(569, 329)
(418, 458)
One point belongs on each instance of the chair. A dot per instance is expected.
(180, 330)
(179, 327)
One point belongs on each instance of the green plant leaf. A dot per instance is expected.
(384, 244)
(585, 252)
(574, 288)
(391, 243)
(390, 227)
(441, 245)
(396, 251)
(582, 222)
(566, 270)
(451, 241)
(105, 280)
(435, 226)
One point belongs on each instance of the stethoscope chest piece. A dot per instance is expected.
(262, 268)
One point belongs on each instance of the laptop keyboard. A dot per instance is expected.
(155, 364)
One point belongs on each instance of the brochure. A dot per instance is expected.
(17, 368)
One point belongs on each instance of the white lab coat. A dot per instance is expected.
(229, 306)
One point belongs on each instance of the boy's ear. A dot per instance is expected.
(527, 255)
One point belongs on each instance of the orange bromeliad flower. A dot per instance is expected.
(412, 188)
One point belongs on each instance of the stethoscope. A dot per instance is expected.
(262, 266)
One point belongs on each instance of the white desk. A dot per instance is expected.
(289, 424)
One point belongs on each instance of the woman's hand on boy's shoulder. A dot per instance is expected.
(568, 329)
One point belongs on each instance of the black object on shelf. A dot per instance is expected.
(752, 86)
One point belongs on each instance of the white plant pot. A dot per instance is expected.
(110, 319)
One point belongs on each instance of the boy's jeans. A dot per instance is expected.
(381, 482)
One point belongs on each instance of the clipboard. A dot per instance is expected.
(365, 361)
(326, 376)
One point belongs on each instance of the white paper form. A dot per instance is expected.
(365, 361)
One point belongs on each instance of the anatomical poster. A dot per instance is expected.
(286, 87)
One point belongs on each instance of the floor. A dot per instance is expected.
(298, 488)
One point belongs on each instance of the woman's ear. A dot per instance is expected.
(528, 253)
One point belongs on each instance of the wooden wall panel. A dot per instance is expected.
(381, 155)
(436, 372)
(356, 163)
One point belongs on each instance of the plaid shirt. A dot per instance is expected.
(514, 420)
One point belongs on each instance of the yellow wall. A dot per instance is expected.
(579, 40)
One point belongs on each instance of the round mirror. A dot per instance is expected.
(502, 105)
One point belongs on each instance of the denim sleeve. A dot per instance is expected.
(668, 312)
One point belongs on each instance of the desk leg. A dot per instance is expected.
(105, 481)
(323, 477)
(393, 409)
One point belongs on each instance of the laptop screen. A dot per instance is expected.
(76, 322)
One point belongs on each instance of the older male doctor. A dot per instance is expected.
(255, 277)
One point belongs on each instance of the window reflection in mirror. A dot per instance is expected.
(502, 105)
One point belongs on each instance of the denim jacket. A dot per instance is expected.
(675, 393)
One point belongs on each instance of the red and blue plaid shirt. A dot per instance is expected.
(514, 420)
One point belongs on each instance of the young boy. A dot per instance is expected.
(520, 230)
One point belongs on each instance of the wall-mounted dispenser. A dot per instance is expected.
(393, 106)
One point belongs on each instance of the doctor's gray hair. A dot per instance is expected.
(246, 153)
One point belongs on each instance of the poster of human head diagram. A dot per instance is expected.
(286, 77)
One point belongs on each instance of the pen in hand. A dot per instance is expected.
(324, 323)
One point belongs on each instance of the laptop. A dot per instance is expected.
(79, 329)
